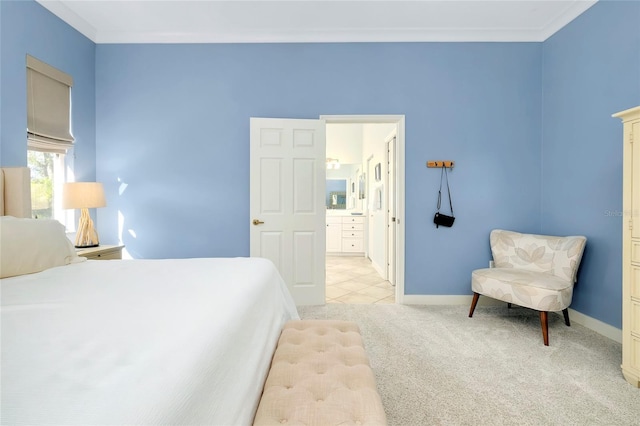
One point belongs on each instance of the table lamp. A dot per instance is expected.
(84, 196)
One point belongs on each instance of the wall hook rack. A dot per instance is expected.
(439, 164)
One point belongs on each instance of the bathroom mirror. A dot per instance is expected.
(361, 186)
(336, 194)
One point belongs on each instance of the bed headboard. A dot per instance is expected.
(15, 191)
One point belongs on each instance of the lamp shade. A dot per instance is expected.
(81, 195)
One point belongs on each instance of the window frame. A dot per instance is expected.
(59, 177)
(49, 129)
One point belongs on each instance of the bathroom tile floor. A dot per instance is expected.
(353, 280)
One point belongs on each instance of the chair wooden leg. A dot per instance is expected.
(474, 302)
(565, 312)
(545, 327)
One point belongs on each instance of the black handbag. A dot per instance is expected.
(442, 219)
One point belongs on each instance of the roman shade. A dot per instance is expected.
(48, 108)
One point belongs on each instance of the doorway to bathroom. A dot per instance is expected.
(365, 234)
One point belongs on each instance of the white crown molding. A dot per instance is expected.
(346, 35)
(572, 12)
(70, 17)
(322, 36)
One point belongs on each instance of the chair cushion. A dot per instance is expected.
(535, 290)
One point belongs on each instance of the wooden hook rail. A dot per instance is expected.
(439, 164)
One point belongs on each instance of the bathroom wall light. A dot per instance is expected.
(333, 163)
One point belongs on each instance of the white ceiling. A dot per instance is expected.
(261, 21)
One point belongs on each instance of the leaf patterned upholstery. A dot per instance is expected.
(534, 271)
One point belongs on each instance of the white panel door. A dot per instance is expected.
(287, 202)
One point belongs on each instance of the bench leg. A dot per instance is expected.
(474, 302)
(565, 312)
(545, 327)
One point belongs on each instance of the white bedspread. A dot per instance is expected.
(185, 341)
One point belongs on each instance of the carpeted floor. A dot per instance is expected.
(436, 366)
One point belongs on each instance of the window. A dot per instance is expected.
(48, 136)
(47, 177)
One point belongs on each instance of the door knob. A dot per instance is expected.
(257, 222)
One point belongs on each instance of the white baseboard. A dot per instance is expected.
(415, 299)
(598, 326)
(378, 269)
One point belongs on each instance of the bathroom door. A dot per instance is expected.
(287, 202)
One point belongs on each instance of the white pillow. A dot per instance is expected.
(33, 245)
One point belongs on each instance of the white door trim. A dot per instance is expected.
(399, 120)
(368, 211)
(390, 185)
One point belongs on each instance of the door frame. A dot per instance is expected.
(390, 179)
(399, 121)
(368, 206)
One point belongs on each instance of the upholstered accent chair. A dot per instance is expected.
(533, 271)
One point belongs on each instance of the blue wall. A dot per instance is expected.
(173, 126)
(28, 28)
(528, 125)
(591, 69)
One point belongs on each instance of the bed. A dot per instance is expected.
(176, 341)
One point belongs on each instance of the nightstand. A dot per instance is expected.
(102, 252)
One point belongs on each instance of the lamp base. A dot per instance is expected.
(86, 235)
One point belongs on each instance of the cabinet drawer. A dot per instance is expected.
(352, 244)
(352, 234)
(115, 254)
(352, 219)
(635, 353)
(635, 319)
(105, 252)
(334, 219)
(635, 251)
(634, 284)
(353, 227)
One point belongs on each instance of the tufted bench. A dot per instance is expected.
(320, 375)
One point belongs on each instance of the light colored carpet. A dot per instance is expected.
(436, 366)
